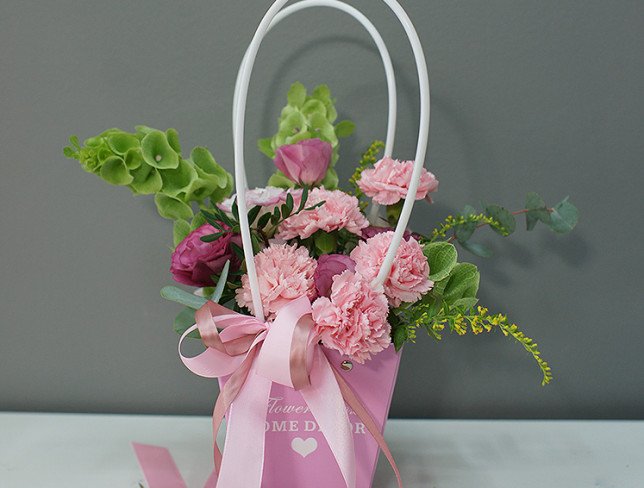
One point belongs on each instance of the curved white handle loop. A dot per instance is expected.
(238, 132)
(377, 38)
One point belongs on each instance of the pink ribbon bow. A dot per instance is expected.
(253, 355)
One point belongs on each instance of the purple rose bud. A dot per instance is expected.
(330, 265)
(304, 162)
(194, 262)
(373, 230)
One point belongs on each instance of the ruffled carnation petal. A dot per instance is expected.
(409, 276)
(353, 319)
(284, 273)
(340, 211)
(388, 181)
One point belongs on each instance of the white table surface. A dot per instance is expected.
(93, 451)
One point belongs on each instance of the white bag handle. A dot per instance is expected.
(380, 44)
(238, 139)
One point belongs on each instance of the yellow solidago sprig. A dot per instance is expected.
(453, 304)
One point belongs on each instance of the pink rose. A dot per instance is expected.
(284, 273)
(388, 181)
(194, 262)
(304, 162)
(353, 320)
(340, 211)
(409, 276)
(330, 265)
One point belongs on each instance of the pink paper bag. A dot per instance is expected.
(297, 454)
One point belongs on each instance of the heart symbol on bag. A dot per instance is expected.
(304, 447)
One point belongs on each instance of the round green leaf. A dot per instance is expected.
(122, 142)
(115, 172)
(172, 208)
(157, 152)
(504, 219)
(441, 257)
(463, 282)
(344, 128)
(564, 217)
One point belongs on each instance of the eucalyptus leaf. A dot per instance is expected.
(221, 283)
(477, 249)
(506, 223)
(533, 201)
(464, 231)
(183, 321)
(564, 217)
(178, 295)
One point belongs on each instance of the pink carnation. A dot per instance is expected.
(388, 181)
(284, 273)
(339, 211)
(409, 276)
(353, 320)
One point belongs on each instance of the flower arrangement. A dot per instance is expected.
(311, 238)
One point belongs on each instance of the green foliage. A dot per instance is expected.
(564, 217)
(186, 318)
(149, 162)
(561, 218)
(265, 224)
(305, 117)
(442, 257)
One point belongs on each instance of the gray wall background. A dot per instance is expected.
(527, 95)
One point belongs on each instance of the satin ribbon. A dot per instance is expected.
(254, 354)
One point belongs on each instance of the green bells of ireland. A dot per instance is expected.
(149, 162)
(307, 117)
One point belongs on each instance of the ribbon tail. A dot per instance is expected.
(243, 459)
(159, 469)
(325, 401)
(363, 414)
